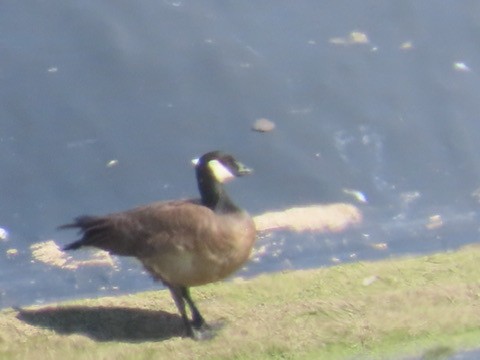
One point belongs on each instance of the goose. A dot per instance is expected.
(181, 243)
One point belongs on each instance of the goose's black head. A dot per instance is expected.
(214, 169)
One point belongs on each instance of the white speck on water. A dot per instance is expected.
(461, 66)
(263, 125)
(3, 234)
(174, 3)
(356, 194)
(112, 163)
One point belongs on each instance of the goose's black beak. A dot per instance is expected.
(243, 170)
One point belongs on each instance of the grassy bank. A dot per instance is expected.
(386, 309)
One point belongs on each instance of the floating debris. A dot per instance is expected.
(461, 66)
(3, 234)
(355, 37)
(11, 253)
(318, 218)
(112, 163)
(257, 253)
(358, 195)
(434, 222)
(175, 3)
(277, 253)
(49, 253)
(263, 125)
(379, 246)
(409, 196)
(407, 45)
(358, 37)
(52, 69)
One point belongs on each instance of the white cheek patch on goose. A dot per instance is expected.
(219, 171)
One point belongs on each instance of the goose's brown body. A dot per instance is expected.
(181, 243)
(202, 258)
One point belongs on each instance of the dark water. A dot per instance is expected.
(151, 84)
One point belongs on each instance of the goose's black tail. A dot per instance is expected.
(73, 246)
(88, 226)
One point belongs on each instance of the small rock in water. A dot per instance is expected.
(263, 125)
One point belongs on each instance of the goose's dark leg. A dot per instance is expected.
(180, 303)
(201, 330)
(197, 329)
(197, 320)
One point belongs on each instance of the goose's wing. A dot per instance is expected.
(146, 229)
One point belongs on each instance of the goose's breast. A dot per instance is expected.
(213, 253)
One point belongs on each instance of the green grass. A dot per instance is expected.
(372, 310)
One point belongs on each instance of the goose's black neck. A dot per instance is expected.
(213, 194)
